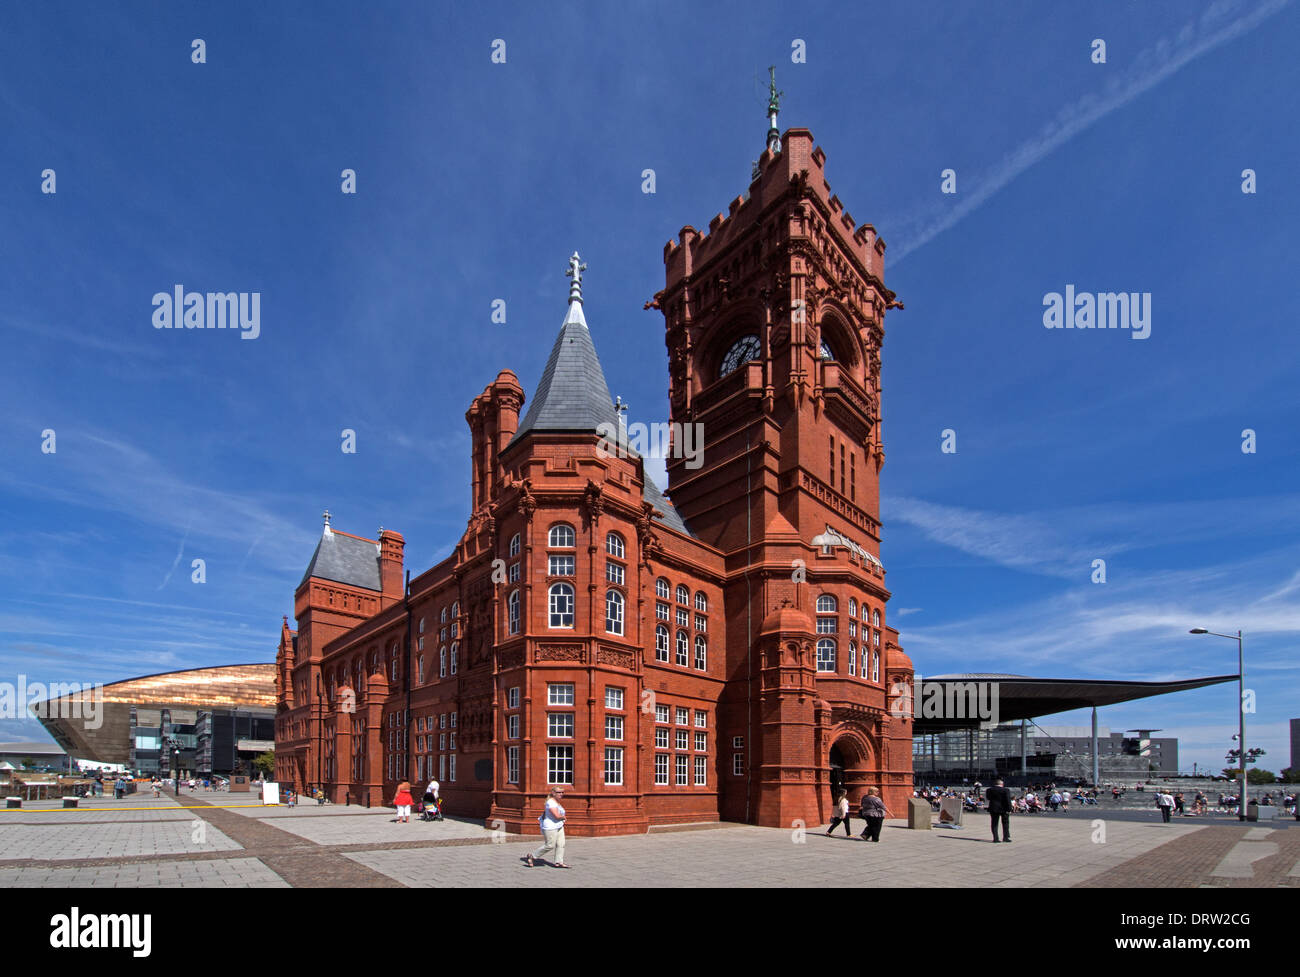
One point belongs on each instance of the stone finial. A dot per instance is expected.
(574, 271)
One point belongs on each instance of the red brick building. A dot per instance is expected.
(724, 655)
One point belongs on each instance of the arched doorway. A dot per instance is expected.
(837, 770)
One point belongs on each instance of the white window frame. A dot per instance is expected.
(556, 596)
(614, 766)
(560, 693)
(561, 536)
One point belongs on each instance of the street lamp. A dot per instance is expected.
(1241, 712)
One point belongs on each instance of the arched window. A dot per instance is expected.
(825, 351)
(455, 609)
(614, 545)
(613, 612)
(683, 648)
(853, 658)
(853, 607)
(442, 619)
(865, 616)
(701, 602)
(419, 670)
(422, 625)
(442, 662)
(875, 666)
(875, 618)
(661, 643)
(662, 588)
(826, 604)
(683, 594)
(455, 655)
(561, 605)
(743, 350)
(562, 535)
(701, 652)
(825, 655)
(514, 545)
(512, 612)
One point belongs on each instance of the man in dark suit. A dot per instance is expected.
(1000, 807)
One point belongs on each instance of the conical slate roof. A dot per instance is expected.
(572, 394)
(345, 559)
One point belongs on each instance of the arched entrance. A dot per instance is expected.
(849, 760)
(837, 769)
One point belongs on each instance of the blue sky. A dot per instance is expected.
(477, 180)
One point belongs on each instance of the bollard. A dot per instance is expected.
(918, 814)
(69, 802)
(13, 802)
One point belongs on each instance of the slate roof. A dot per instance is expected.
(572, 396)
(345, 559)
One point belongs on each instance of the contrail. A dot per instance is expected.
(1154, 65)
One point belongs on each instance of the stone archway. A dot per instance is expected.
(851, 762)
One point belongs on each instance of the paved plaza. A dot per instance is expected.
(219, 840)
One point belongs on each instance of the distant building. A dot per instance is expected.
(1161, 753)
(42, 756)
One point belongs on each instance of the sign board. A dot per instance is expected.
(254, 746)
(270, 793)
(950, 812)
(238, 782)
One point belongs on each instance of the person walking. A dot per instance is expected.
(1000, 809)
(872, 810)
(1166, 805)
(403, 801)
(432, 802)
(552, 824)
(841, 814)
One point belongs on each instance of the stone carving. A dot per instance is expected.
(616, 657)
(559, 653)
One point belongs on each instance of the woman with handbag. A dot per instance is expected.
(874, 812)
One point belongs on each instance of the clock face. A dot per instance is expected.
(744, 349)
(825, 351)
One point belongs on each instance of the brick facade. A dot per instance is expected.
(579, 633)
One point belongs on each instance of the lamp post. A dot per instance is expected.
(1241, 712)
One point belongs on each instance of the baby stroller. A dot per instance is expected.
(431, 809)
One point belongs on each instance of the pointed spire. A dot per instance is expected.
(773, 107)
(574, 271)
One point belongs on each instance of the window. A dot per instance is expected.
(419, 670)
(701, 768)
(561, 603)
(701, 622)
(875, 667)
(615, 573)
(513, 575)
(455, 612)
(701, 718)
(661, 643)
(455, 629)
(442, 618)
(451, 768)
(455, 654)
(442, 766)
(683, 646)
(826, 604)
(512, 698)
(559, 764)
(682, 769)
(614, 545)
(701, 742)
(701, 602)
(738, 764)
(560, 566)
(613, 697)
(826, 625)
(442, 662)
(661, 713)
(683, 617)
(442, 632)
(514, 545)
(683, 595)
(661, 769)
(562, 536)
(422, 625)
(682, 740)
(559, 725)
(738, 742)
(614, 612)
(512, 727)
(442, 721)
(451, 745)
(613, 727)
(743, 350)
(662, 611)
(825, 352)
(683, 716)
(825, 655)
(512, 613)
(701, 653)
(853, 627)
(614, 765)
(661, 737)
(853, 658)
(442, 741)
(875, 618)
(512, 764)
(661, 588)
(559, 694)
